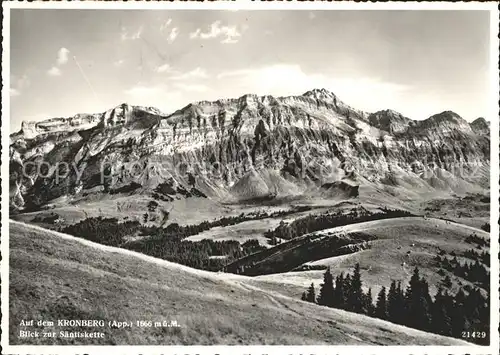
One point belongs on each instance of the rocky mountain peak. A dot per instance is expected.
(247, 97)
(480, 126)
(390, 121)
(118, 115)
(321, 94)
(328, 98)
(447, 116)
(446, 121)
(480, 121)
(392, 114)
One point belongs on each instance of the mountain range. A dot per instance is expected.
(248, 148)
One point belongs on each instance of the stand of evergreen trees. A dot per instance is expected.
(458, 315)
(205, 254)
(168, 243)
(111, 232)
(483, 257)
(314, 223)
(165, 243)
(486, 227)
(474, 272)
(193, 229)
(479, 241)
(107, 231)
(344, 293)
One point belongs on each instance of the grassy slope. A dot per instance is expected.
(383, 261)
(54, 276)
(253, 229)
(193, 210)
(184, 211)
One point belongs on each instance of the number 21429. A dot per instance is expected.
(467, 334)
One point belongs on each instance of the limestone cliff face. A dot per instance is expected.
(245, 148)
(30, 130)
(390, 121)
(480, 126)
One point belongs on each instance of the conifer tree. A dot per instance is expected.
(327, 291)
(368, 307)
(347, 292)
(427, 297)
(339, 294)
(381, 307)
(304, 296)
(472, 308)
(459, 321)
(447, 281)
(311, 294)
(483, 314)
(417, 301)
(355, 300)
(396, 304)
(441, 321)
(392, 303)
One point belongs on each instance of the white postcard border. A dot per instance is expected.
(255, 5)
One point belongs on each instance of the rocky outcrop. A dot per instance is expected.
(390, 121)
(343, 188)
(443, 123)
(30, 130)
(245, 148)
(480, 126)
(353, 248)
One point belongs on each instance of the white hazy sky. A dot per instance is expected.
(416, 62)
